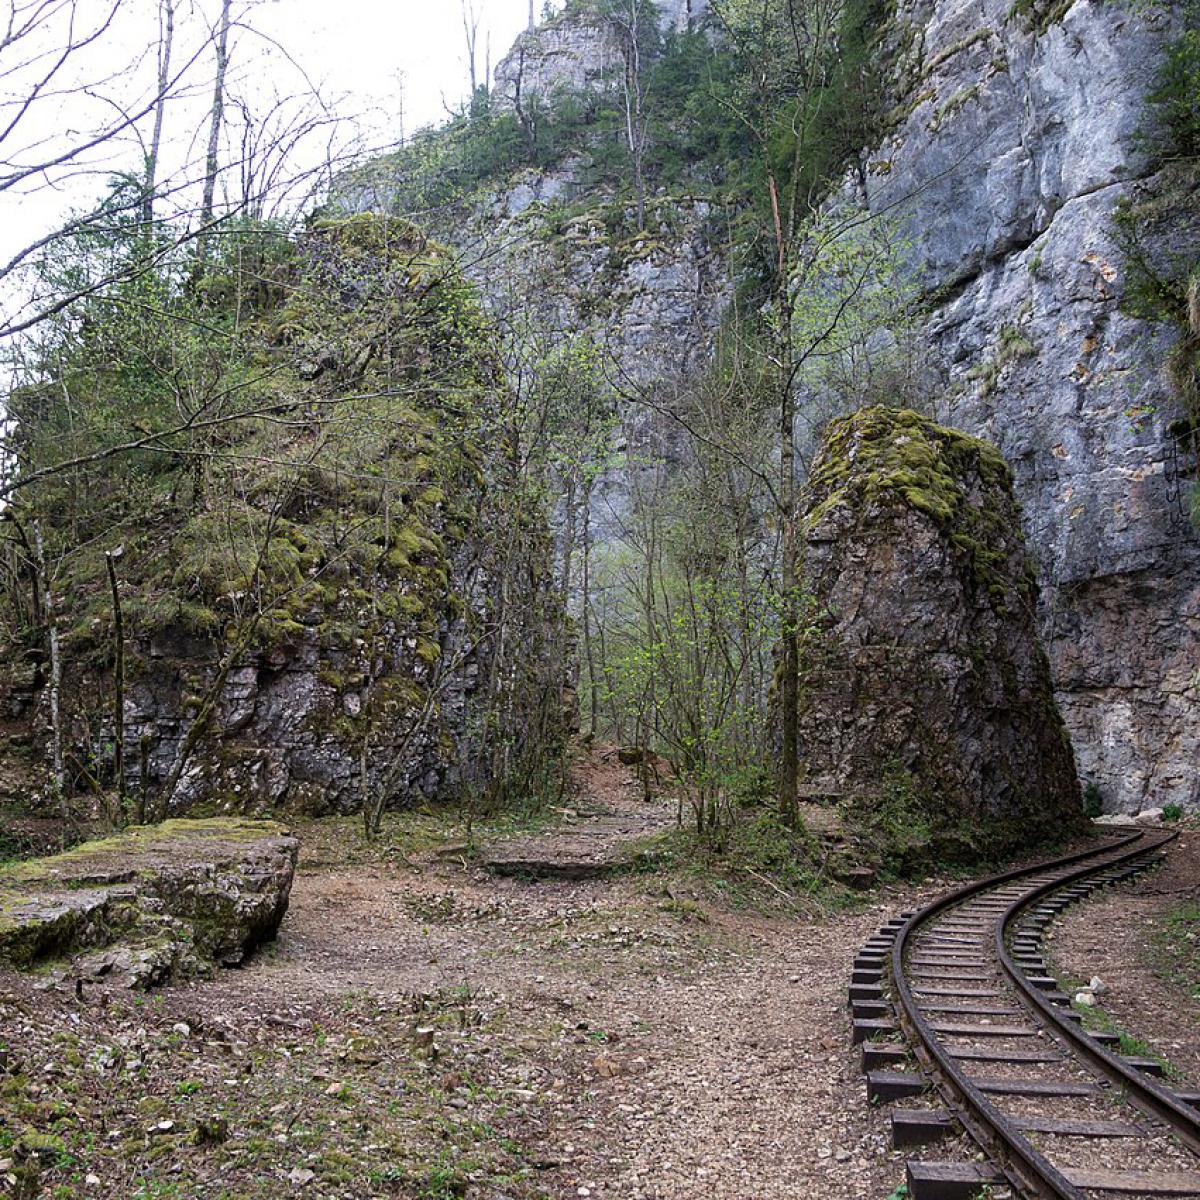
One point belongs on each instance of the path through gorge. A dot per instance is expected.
(426, 1028)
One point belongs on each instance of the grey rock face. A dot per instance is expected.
(576, 53)
(152, 903)
(925, 685)
(1012, 151)
(1009, 147)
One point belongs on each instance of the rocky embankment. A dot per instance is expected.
(926, 694)
(151, 903)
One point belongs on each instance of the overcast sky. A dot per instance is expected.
(361, 47)
(377, 63)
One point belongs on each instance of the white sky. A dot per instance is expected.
(361, 47)
(363, 55)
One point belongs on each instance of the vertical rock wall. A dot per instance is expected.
(926, 695)
(1014, 138)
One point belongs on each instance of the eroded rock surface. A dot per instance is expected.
(925, 690)
(1016, 132)
(153, 902)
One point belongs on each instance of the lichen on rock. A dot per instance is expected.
(924, 685)
(152, 902)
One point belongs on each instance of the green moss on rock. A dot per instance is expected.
(897, 457)
(181, 894)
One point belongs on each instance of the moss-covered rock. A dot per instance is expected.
(150, 902)
(304, 590)
(927, 703)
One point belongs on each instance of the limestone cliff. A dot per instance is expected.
(924, 686)
(1012, 134)
(1015, 137)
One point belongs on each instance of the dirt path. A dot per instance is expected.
(1119, 936)
(425, 1029)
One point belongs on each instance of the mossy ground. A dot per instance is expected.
(1177, 947)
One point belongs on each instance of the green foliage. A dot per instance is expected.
(1174, 101)
(322, 424)
(1172, 813)
(1177, 947)
(1093, 800)
(1162, 285)
(895, 826)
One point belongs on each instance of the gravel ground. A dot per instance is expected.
(422, 1029)
(1117, 935)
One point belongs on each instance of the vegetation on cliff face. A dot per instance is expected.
(1162, 280)
(924, 649)
(326, 457)
(883, 455)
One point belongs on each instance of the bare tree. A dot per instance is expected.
(470, 20)
(215, 122)
(166, 41)
(631, 25)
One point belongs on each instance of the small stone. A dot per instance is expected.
(301, 1176)
(1097, 987)
(1086, 998)
(91, 1180)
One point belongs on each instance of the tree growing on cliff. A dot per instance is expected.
(792, 84)
(634, 24)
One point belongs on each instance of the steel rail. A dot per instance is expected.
(1026, 1167)
(1148, 1093)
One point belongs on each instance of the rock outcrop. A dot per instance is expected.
(305, 637)
(1013, 132)
(926, 695)
(1016, 132)
(151, 903)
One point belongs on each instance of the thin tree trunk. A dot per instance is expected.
(166, 41)
(471, 30)
(635, 127)
(588, 651)
(789, 692)
(118, 716)
(216, 119)
(56, 672)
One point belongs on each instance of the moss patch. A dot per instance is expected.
(897, 457)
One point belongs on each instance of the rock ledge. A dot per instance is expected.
(150, 903)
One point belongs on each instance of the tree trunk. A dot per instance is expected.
(118, 717)
(588, 649)
(216, 119)
(56, 672)
(166, 41)
(471, 30)
(789, 691)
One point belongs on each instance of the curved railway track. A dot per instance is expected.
(1059, 1112)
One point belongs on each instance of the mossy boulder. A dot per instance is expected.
(926, 699)
(152, 902)
(305, 612)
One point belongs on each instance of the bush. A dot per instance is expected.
(1175, 101)
(1093, 801)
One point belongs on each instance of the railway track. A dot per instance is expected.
(955, 1003)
